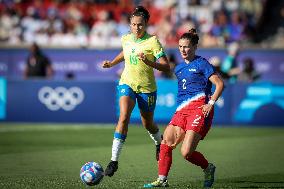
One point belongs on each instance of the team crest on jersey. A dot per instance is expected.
(133, 50)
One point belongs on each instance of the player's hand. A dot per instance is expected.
(141, 56)
(206, 109)
(107, 64)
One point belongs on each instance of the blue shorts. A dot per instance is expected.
(146, 101)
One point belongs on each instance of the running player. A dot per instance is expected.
(193, 117)
(141, 52)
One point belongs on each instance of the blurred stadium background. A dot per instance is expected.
(39, 116)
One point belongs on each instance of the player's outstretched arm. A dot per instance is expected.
(108, 64)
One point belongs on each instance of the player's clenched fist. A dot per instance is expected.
(107, 64)
(141, 56)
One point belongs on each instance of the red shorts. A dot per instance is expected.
(193, 119)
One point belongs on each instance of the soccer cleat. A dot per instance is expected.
(158, 151)
(209, 175)
(157, 183)
(111, 168)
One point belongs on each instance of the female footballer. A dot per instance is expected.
(193, 117)
(141, 52)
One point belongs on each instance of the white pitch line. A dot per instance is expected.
(47, 127)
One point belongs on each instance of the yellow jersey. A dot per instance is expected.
(136, 74)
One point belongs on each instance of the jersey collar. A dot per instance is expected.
(138, 40)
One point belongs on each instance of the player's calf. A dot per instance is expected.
(158, 151)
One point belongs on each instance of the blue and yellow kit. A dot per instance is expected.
(136, 74)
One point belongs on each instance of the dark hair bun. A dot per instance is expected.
(139, 8)
(141, 11)
(191, 35)
(192, 31)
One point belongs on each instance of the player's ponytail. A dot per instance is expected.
(141, 11)
(191, 35)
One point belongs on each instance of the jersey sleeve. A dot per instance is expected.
(207, 68)
(157, 48)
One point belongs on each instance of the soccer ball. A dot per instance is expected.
(91, 173)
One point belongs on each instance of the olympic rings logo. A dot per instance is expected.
(60, 97)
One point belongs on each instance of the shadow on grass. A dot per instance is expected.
(275, 180)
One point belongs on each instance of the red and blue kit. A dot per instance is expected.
(194, 90)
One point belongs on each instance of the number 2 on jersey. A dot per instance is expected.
(183, 85)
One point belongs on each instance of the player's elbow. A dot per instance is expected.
(166, 68)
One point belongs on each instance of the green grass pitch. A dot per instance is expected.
(50, 156)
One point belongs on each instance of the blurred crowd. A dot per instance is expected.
(101, 23)
(233, 70)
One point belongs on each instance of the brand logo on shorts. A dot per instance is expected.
(192, 70)
(61, 98)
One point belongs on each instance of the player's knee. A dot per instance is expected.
(168, 142)
(148, 123)
(152, 128)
